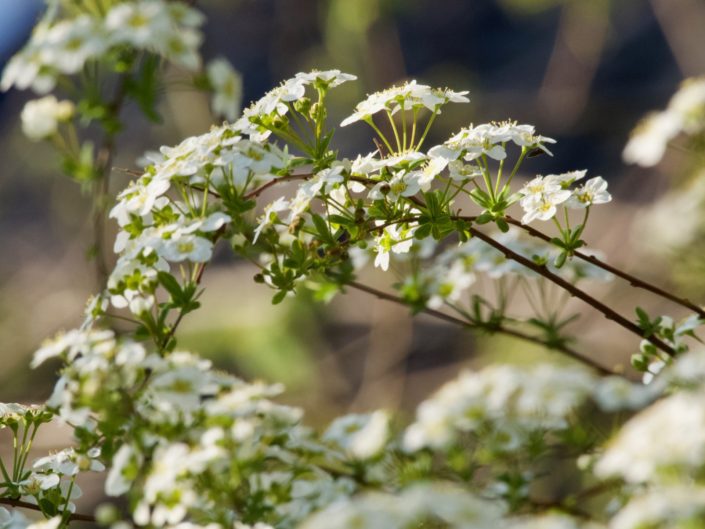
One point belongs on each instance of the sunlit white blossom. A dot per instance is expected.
(41, 117)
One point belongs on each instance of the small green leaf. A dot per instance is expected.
(502, 225)
(339, 219)
(48, 507)
(278, 297)
(322, 229)
(171, 285)
(423, 231)
(560, 259)
(640, 362)
(484, 218)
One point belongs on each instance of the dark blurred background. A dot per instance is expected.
(584, 72)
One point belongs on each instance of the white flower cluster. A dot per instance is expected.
(450, 275)
(409, 96)
(489, 139)
(187, 426)
(542, 195)
(363, 436)
(227, 88)
(157, 229)
(259, 118)
(392, 240)
(438, 502)
(551, 521)
(400, 176)
(668, 436)
(512, 401)
(56, 474)
(63, 46)
(41, 117)
(678, 505)
(50, 478)
(13, 414)
(195, 448)
(685, 113)
(661, 451)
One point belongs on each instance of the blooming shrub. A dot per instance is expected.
(187, 446)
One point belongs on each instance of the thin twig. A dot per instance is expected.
(26, 505)
(288, 178)
(181, 315)
(300, 176)
(492, 329)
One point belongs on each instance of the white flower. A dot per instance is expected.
(615, 393)
(594, 191)
(142, 23)
(12, 520)
(460, 172)
(70, 43)
(276, 102)
(187, 248)
(125, 460)
(51, 523)
(408, 96)
(452, 506)
(139, 199)
(73, 344)
(566, 179)
(393, 239)
(677, 505)
(270, 215)
(509, 398)
(327, 78)
(542, 207)
(363, 436)
(402, 184)
(649, 140)
(365, 165)
(489, 139)
(449, 283)
(28, 70)
(472, 143)
(227, 88)
(69, 463)
(685, 112)
(687, 370)
(551, 521)
(541, 196)
(525, 136)
(36, 483)
(689, 103)
(41, 117)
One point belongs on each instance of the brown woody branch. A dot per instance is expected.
(26, 505)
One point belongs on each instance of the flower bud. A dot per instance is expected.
(318, 112)
(303, 105)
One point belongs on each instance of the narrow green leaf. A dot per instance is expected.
(171, 285)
